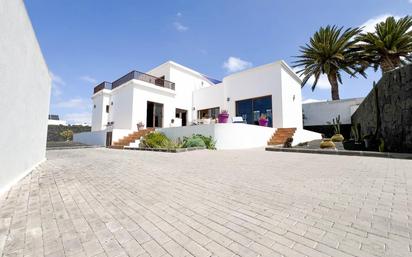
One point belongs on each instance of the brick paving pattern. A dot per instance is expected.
(101, 202)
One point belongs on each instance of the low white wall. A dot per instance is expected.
(91, 138)
(99, 137)
(320, 113)
(303, 135)
(227, 136)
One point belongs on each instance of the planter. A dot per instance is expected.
(223, 117)
(337, 138)
(352, 145)
(327, 144)
(263, 122)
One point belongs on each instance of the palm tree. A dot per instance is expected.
(330, 51)
(390, 45)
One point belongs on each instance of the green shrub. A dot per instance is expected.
(193, 142)
(209, 142)
(156, 140)
(199, 141)
(67, 135)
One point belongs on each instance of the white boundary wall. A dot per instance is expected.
(99, 137)
(25, 95)
(227, 136)
(320, 113)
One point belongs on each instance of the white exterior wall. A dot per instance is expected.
(144, 92)
(100, 116)
(25, 95)
(121, 112)
(260, 81)
(291, 101)
(209, 97)
(320, 113)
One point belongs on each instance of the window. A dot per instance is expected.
(107, 108)
(208, 113)
(94, 106)
(251, 109)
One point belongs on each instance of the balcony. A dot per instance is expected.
(101, 86)
(139, 76)
(143, 77)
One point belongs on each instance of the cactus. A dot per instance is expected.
(355, 132)
(336, 124)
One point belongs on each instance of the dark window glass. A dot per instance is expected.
(107, 108)
(251, 109)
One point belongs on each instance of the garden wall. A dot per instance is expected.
(394, 112)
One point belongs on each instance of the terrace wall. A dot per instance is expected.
(394, 92)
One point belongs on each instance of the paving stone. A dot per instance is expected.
(102, 202)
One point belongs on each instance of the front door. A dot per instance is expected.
(182, 114)
(154, 118)
(109, 138)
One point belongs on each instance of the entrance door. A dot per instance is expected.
(108, 139)
(182, 114)
(154, 118)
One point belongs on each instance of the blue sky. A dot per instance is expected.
(88, 41)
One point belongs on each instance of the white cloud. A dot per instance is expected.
(180, 27)
(78, 118)
(57, 79)
(89, 79)
(369, 25)
(234, 64)
(57, 83)
(74, 103)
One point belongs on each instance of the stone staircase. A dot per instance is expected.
(131, 138)
(280, 136)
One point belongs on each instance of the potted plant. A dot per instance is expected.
(223, 116)
(327, 143)
(140, 125)
(354, 143)
(337, 137)
(263, 120)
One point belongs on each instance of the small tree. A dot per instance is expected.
(67, 135)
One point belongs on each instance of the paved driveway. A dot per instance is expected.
(100, 202)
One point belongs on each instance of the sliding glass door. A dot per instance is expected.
(154, 115)
(251, 109)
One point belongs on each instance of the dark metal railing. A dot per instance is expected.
(101, 86)
(144, 77)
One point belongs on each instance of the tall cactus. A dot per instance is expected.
(336, 124)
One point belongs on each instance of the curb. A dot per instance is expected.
(342, 152)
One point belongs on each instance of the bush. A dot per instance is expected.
(67, 134)
(193, 142)
(54, 131)
(156, 140)
(199, 141)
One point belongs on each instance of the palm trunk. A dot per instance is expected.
(333, 80)
(389, 63)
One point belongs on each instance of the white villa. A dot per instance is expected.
(180, 101)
